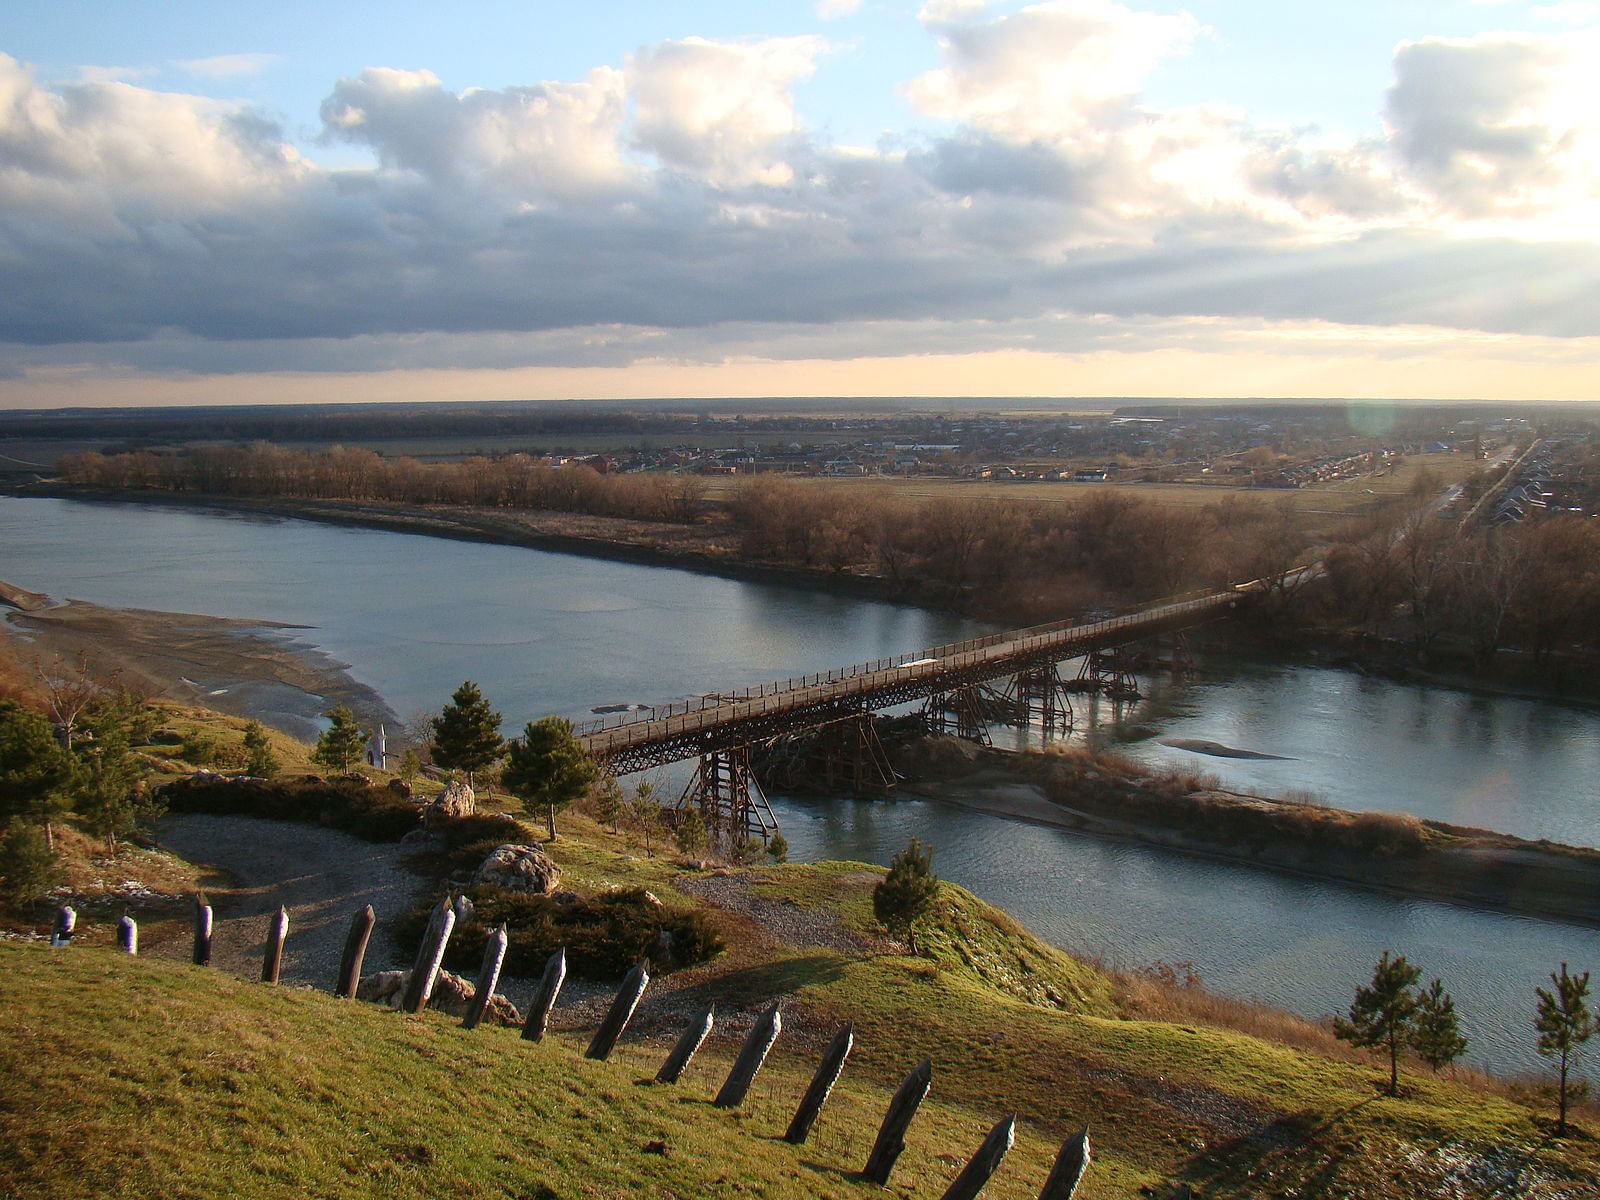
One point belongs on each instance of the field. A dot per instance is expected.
(150, 1077)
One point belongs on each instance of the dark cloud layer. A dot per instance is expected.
(640, 200)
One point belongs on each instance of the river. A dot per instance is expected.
(543, 632)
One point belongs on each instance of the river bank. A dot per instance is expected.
(1111, 798)
(252, 669)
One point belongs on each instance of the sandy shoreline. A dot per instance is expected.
(254, 669)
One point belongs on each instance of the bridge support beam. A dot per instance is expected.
(960, 712)
(1039, 697)
(729, 798)
(1111, 671)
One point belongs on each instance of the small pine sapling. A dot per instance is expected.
(778, 848)
(262, 761)
(1383, 1012)
(1564, 1023)
(906, 893)
(1436, 1032)
(340, 746)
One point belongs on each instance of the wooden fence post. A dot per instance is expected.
(1071, 1163)
(908, 1097)
(355, 952)
(425, 971)
(128, 935)
(494, 954)
(828, 1072)
(544, 997)
(202, 932)
(982, 1166)
(757, 1044)
(694, 1036)
(66, 922)
(272, 960)
(605, 1038)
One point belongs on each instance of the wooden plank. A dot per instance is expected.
(1071, 1163)
(891, 1140)
(827, 1074)
(544, 997)
(689, 1042)
(757, 1045)
(494, 955)
(277, 931)
(985, 1162)
(621, 1012)
(355, 952)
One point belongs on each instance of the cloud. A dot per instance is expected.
(722, 110)
(1568, 12)
(676, 206)
(1046, 70)
(1499, 122)
(227, 66)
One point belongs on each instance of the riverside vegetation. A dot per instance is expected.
(1402, 571)
(253, 1091)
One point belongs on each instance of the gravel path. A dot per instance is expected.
(785, 921)
(320, 875)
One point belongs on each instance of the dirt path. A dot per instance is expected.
(320, 875)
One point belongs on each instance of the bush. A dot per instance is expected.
(604, 935)
(372, 814)
(468, 840)
(28, 867)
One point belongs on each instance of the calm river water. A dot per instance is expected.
(545, 633)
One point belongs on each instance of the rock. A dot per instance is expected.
(565, 898)
(653, 900)
(457, 800)
(519, 869)
(353, 777)
(661, 950)
(451, 994)
(421, 837)
(465, 909)
(400, 788)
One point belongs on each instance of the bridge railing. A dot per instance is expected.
(681, 716)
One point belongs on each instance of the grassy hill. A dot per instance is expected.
(150, 1077)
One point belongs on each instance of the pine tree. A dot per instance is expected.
(466, 733)
(644, 811)
(340, 746)
(1383, 1012)
(778, 848)
(608, 803)
(36, 775)
(547, 768)
(258, 746)
(690, 835)
(410, 766)
(906, 892)
(1436, 1032)
(1564, 1023)
(28, 866)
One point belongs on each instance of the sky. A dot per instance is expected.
(206, 203)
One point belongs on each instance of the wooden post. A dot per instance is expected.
(425, 971)
(982, 1166)
(355, 951)
(694, 1036)
(544, 997)
(202, 932)
(494, 953)
(605, 1038)
(128, 935)
(908, 1097)
(277, 930)
(757, 1044)
(1071, 1163)
(66, 922)
(828, 1071)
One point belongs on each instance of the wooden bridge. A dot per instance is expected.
(720, 728)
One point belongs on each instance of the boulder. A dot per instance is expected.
(457, 800)
(400, 788)
(451, 994)
(519, 869)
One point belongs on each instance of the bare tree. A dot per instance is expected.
(69, 690)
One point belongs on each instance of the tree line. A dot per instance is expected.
(515, 481)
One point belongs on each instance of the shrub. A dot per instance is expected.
(371, 813)
(28, 867)
(604, 935)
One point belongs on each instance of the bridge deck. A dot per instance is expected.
(632, 742)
